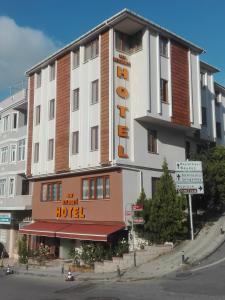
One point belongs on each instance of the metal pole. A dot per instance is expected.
(133, 239)
(191, 218)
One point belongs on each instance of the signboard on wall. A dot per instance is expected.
(5, 218)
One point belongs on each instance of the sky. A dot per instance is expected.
(31, 30)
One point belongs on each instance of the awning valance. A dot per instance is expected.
(80, 231)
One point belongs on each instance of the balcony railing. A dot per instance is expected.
(20, 202)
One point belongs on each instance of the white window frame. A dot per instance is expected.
(5, 187)
(11, 151)
(36, 152)
(9, 187)
(52, 72)
(21, 157)
(75, 99)
(76, 58)
(50, 153)
(94, 138)
(37, 115)
(5, 125)
(51, 115)
(13, 114)
(6, 155)
(38, 79)
(75, 143)
(95, 92)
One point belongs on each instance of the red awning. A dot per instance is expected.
(80, 231)
(90, 232)
(42, 228)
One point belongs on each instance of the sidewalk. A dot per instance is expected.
(208, 240)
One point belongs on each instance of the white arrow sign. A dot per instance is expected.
(188, 166)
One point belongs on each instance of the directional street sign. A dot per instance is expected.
(139, 221)
(189, 177)
(189, 166)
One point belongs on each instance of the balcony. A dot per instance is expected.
(20, 202)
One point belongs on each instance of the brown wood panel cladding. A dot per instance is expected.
(105, 98)
(180, 84)
(30, 124)
(62, 114)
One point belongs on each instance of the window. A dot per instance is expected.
(76, 58)
(218, 130)
(187, 150)
(52, 72)
(75, 142)
(164, 90)
(25, 187)
(2, 187)
(11, 186)
(152, 141)
(127, 43)
(36, 152)
(14, 121)
(51, 191)
(13, 153)
(217, 98)
(204, 116)
(21, 149)
(94, 138)
(203, 79)
(38, 79)
(6, 123)
(91, 50)
(50, 149)
(96, 188)
(163, 47)
(155, 181)
(94, 92)
(52, 109)
(37, 115)
(4, 155)
(75, 103)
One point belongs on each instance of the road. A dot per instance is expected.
(205, 281)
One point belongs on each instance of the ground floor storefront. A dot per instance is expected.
(59, 238)
(9, 229)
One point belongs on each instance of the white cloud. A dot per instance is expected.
(20, 49)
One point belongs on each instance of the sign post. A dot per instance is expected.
(136, 221)
(189, 180)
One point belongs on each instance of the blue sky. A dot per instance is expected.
(31, 30)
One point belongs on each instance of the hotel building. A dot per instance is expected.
(103, 114)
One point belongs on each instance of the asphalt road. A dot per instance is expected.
(204, 281)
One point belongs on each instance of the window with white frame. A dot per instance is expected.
(75, 142)
(52, 72)
(91, 50)
(3, 155)
(75, 99)
(50, 149)
(51, 109)
(14, 121)
(11, 186)
(36, 152)
(37, 114)
(6, 123)
(38, 79)
(94, 92)
(13, 153)
(21, 149)
(94, 138)
(76, 58)
(2, 187)
(163, 46)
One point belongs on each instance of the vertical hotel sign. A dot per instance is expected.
(122, 104)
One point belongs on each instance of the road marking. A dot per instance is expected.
(209, 265)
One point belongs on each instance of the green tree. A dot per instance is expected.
(213, 161)
(22, 250)
(166, 220)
